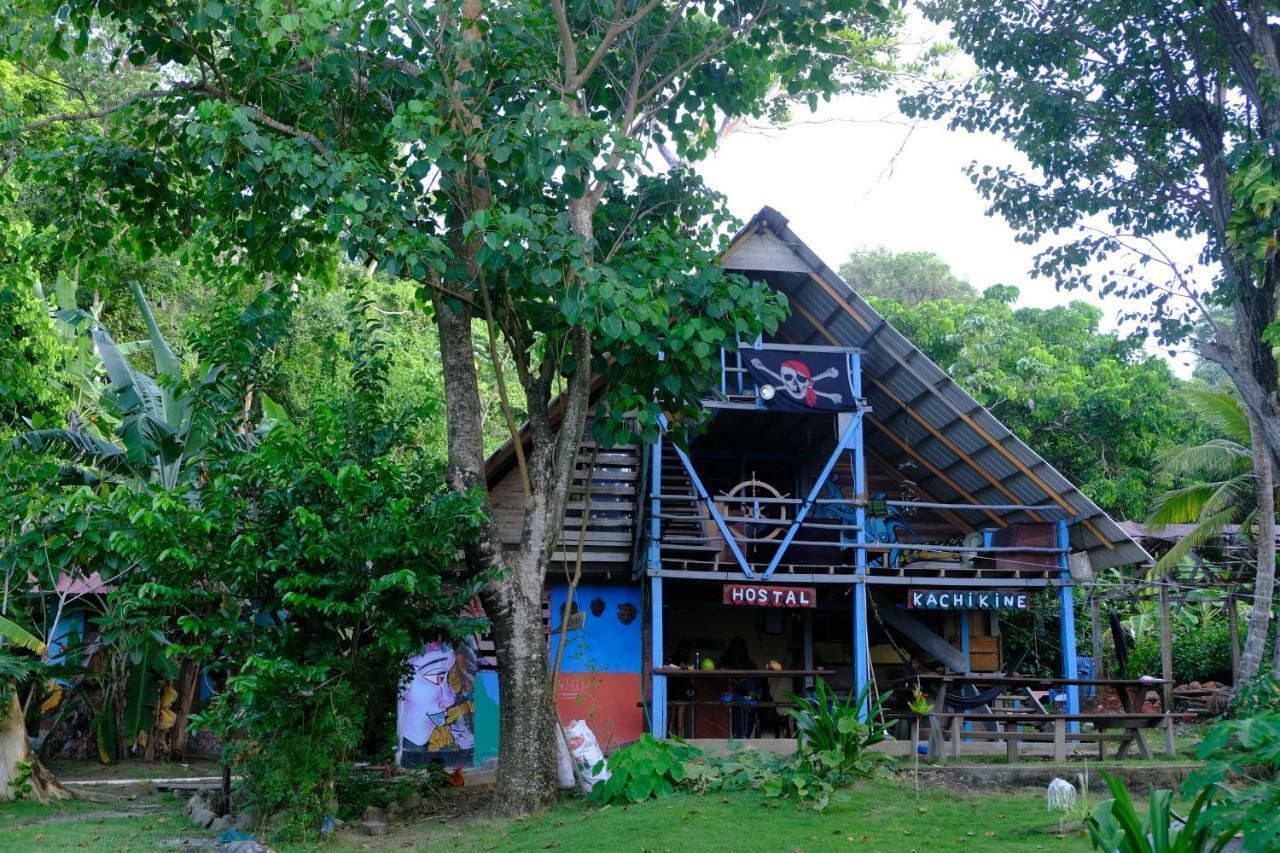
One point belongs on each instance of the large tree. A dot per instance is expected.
(1097, 406)
(908, 278)
(496, 153)
(1141, 121)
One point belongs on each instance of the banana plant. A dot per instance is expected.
(162, 425)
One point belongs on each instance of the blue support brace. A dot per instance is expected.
(658, 720)
(851, 436)
(1070, 668)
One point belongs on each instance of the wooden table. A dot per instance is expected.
(740, 673)
(715, 716)
(1132, 693)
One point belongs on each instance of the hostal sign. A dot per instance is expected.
(759, 595)
(965, 599)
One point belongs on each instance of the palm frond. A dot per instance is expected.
(1206, 528)
(1182, 505)
(1223, 412)
(1216, 459)
(1237, 492)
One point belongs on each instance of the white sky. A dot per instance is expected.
(859, 174)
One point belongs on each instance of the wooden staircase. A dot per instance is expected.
(688, 538)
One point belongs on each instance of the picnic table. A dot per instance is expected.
(1023, 708)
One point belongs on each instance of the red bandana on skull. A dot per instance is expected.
(803, 379)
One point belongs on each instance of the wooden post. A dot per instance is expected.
(807, 625)
(1166, 666)
(1234, 627)
(1095, 629)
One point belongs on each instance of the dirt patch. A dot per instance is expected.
(449, 807)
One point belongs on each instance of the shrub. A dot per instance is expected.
(831, 735)
(644, 769)
(1261, 695)
(1242, 761)
(289, 773)
(1116, 827)
(1200, 653)
(357, 790)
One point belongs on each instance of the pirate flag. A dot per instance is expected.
(803, 381)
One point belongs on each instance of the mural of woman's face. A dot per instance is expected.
(429, 695)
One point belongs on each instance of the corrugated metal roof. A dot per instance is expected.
(950, 442)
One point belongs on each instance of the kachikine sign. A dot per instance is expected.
(965, 599)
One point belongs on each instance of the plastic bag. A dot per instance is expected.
(564, 763)
(587, 754)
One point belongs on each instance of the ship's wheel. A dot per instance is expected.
(759, 520)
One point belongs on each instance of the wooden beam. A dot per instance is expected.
(954, 448)
(1166, 666)
(907, 449)
(964, 416)
(1233, 626)
(1095, 634)
(946, 513)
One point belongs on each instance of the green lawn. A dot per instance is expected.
(106, 822)
(879, 816)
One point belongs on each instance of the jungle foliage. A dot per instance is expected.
(496, 155)
(1095, 405)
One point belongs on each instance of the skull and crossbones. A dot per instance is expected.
(795, 379)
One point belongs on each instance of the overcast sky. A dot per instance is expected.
(859, 174)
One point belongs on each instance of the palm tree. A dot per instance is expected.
(1222, 490)
(1229, 485)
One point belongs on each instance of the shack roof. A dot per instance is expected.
(921, 419)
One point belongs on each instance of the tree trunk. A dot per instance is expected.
(513, 601)
(526, 779)
(17, 760)
(1260, 615)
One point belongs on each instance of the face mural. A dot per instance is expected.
(436, 715)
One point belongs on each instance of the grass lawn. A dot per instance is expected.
(125, 821)
(879, 816)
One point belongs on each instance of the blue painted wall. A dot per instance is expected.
(610, 639)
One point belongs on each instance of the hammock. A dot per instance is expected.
(968, 703)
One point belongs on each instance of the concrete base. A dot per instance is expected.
(787, 746)
(1137, 777)
(722, 747)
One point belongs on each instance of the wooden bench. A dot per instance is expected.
(1123, 729)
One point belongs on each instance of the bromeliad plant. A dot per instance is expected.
(835, 735)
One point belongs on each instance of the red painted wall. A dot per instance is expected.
(608, 701)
